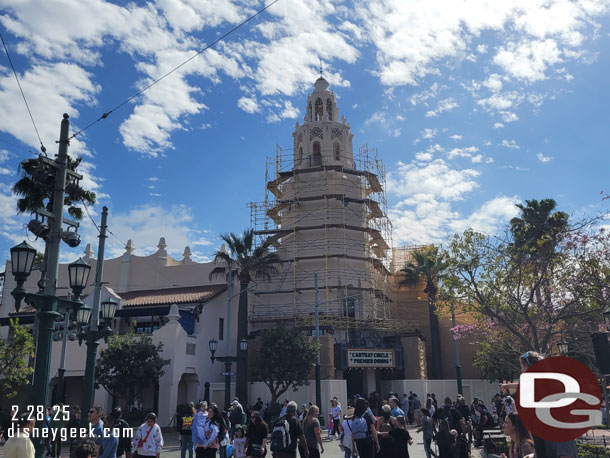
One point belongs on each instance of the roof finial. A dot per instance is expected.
(321, 68)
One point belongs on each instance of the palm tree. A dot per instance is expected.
(34, 191)
(244, 261)
(429, 265)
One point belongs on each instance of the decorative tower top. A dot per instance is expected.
(322, 140)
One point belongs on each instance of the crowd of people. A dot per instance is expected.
(369, 428)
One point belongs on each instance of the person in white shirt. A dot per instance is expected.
(20, 445)
(335, 413)
(148, 440)
(346, 429)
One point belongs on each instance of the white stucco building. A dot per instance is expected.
(146, 287)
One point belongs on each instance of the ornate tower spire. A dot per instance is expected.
(322, 140)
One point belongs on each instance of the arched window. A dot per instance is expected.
(317, 153)
(319, 109)
(300, 155)
(309, 112)
(337, 151)
(329, 109)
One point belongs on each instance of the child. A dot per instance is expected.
(239, 443)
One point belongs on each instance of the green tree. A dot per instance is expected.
(130, 362)
(284, 360)
(429, 265)
(35, 192)
(14, 353)
(245, 261)
(528, 289)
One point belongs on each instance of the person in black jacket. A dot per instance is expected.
(185, 433)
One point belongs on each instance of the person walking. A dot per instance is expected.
(205, 437)
(417, 409)
(346, 432)
(110, 441)
(185, 433)
(335, 413)
(73, 426)
(148, 439)
(235, 416)
(239, 443)
(445, 440)
(283, 446)
(20, 445)
(256, 436)
(94, 416)
(428, 429)
(384, 426)
(125, 433)
(401, 439)
(521, 442)
(365, 441)
(224, 439)
(396, 410)
(311, 430)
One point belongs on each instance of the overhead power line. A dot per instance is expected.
(42, 147)
(126, 101)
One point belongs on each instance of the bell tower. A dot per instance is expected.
(322, 139)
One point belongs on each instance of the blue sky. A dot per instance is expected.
(473, 106)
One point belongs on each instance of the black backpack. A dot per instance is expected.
(280, 436)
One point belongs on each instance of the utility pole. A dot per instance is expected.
(458, 367)
(48, 311)
(229, 294)
(317, 323)
(93, 335)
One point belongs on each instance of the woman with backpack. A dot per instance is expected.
(311, 429)
(384, 426)
(148, 440)
(364, 434)
(346, 432)
(206, 436)
(256, 436)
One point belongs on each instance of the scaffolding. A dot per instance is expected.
(331, 220)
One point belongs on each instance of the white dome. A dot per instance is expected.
(321, 85)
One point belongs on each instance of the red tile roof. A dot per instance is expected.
(168, 296)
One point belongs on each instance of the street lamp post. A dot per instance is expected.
(228, 361)
(65, 335)
(48, 308)
(91, 334)
(92, 338)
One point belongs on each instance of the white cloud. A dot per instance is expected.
(396, 132)
(477, 159)
(443, 105)
(153, 179)
(435, 179)
(421, 156)
(462, 152)
(529, 60)
(489, 160)
(428, 194)
(248, 104)
(511, 144)
(176, 224)
(486, 218)
(542, 158)
(498, 125)
(456, 137)
(493, 83)
(508, 116)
